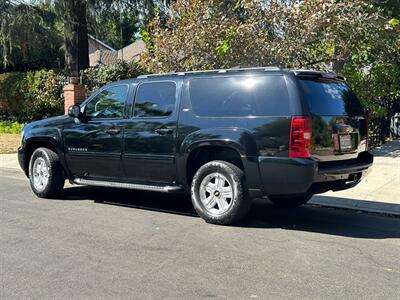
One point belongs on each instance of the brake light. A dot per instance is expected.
(300, 137)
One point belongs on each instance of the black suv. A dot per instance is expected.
(224, 136)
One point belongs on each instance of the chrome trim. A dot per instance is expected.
(134, 186)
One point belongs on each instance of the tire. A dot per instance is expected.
(220, 183)
(290, 202)
(46, 174)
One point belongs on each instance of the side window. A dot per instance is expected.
(155, 99)
(239, 96)
(108, 104)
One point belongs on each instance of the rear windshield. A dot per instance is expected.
(330, 98)
(239, 96)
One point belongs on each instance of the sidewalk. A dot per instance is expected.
(379, 192)
(9, 161)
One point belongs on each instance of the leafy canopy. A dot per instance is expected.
(29, 36)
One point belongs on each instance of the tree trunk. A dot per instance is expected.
(384, 129)
(75, 37)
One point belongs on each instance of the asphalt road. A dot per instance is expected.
(153, 246)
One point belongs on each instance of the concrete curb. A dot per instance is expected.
(359, 205)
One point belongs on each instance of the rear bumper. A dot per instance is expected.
(291, 176)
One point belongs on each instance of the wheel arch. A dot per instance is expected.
(34, 143)
(202, 154)
(229, 144)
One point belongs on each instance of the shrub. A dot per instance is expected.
(43, 95)
(10, 127)
(100, 75)
(30, 96)
(11, 98)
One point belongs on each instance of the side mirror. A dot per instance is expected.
(74, 111)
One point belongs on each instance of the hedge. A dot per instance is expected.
(29, 96)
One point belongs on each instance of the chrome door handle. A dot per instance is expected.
(164, 130)
(113, 131)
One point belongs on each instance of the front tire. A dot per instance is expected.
(219, 193)
(290, 202)
(46, 174)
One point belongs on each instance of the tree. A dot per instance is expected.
(73, 14)
(220, 34)
(345, 36)
(391, 8)
(29, 38)
(117, 23)
(32, 32)
(114, 23)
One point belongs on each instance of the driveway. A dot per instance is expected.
(96, 243)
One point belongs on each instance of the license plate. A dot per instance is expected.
(345, 142)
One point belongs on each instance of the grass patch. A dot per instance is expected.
(10, 127)
(9, 142)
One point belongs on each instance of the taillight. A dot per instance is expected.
(300, 137)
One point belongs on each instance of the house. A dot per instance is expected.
(95, 44)
(132, 52)
(101, 53)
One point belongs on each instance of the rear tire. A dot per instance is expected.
(219, 193)
(290, 202)
(46, 174)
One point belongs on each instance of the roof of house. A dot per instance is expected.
(105, 57)
(132, 51)
(103, 54)
(100, 43)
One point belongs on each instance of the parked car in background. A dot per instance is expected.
(395, 126)
(222, 136)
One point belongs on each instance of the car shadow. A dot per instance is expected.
(263, 215)
(324, 220)
(168, 203)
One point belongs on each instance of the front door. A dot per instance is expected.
(93, 145)
(149, 151)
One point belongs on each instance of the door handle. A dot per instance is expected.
(112, 131)
(164, 130)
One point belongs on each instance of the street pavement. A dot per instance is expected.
(96, 243)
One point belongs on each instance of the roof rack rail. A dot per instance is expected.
(322, 74)
(235, 69)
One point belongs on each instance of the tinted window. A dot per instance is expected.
(109, 103)
(330, 98)
(155, 99)
(239, 96)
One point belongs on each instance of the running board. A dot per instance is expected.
(134, 186)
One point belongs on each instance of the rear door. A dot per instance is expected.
(150, 134)
(338, 121)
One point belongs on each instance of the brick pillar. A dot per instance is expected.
(74, 93)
